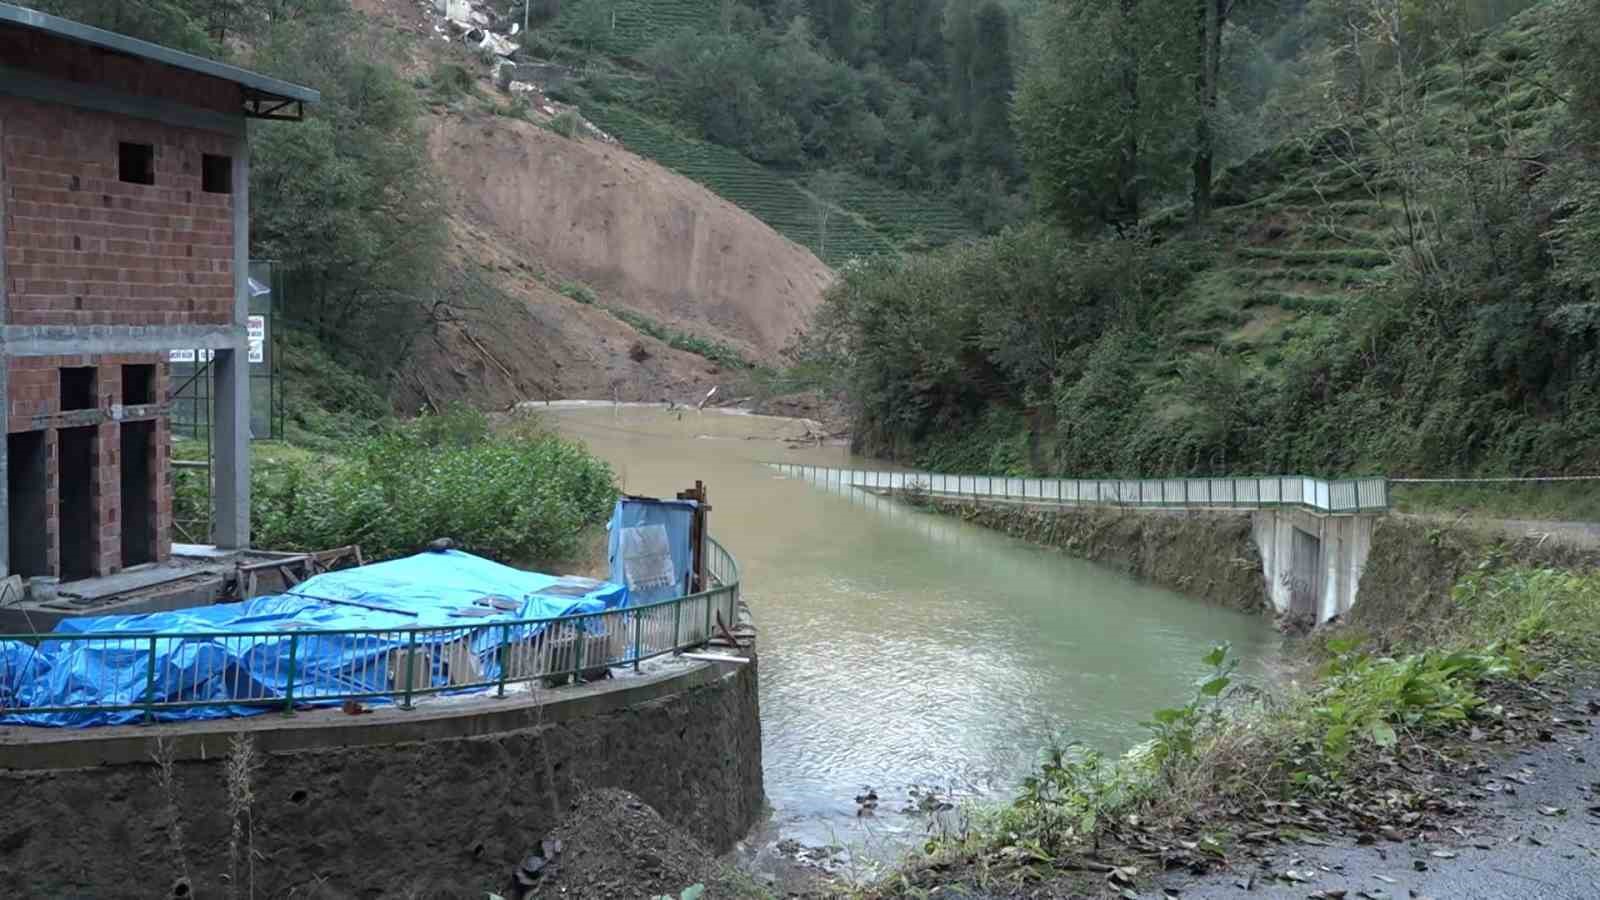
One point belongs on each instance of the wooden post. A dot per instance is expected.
(696, 576)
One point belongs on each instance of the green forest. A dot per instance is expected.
(1083, 237)
(1318, 236)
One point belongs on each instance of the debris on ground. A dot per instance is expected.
(612, 846)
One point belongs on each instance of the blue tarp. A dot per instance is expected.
(648, 547)
(248, 655)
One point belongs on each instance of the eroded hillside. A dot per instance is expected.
(579, 269)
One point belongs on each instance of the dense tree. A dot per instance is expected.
(789, 94)
(836, 20)
(1102, 109)
(1210, 18)
(990, 76)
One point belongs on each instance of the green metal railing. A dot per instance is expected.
(1346, 495)
(290, 668)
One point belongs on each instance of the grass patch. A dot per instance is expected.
(1354, 258)
(577, 290)
(1562, 501)
(717, 351)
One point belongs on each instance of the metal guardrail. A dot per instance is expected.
(1321, 495)
(184, 670)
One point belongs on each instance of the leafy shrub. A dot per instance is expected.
(567, 123)
(577, 290)
(451, 81)
(1374, 699)
(513, 497)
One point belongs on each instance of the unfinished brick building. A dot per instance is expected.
(124, 193)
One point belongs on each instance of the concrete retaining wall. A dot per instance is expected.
(439, 801)
(1303, 566)
(1312, 564)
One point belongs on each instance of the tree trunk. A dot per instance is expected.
(1209, 73)
(1128, 170)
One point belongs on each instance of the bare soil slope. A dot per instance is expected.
(642, 237)
(535, 344)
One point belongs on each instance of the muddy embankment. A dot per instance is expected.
(1405, 589)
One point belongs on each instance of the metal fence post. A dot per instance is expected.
(505, 659)
(288, 693)
(150, 683)
(677, 621)
(411, 669)
(638, 639)
(577, 661)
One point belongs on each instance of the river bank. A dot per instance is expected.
(1441, 741)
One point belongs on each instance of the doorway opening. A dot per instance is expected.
(77, 475)
(138, 508)
(28, 485)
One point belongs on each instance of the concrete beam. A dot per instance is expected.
(230, 435)
(5, 462)
(67, 340)
(32, 86)
(5, 366)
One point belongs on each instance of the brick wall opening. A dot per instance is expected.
(28, 481)
(136, 163)
(138, 508)
(138, 385)
(78, 475)
(77, 388)
(216, 174)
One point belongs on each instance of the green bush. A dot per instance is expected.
(567, 123)
(577, 290)
(450, 81)
(515, 497)
(1374, 700)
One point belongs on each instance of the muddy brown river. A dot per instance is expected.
(902, 649)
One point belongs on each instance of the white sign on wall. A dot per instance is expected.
(256, 327)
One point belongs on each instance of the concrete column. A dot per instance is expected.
(5, 416)
(5, 365)
(230, 434)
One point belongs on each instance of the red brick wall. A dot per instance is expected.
(35, 404)
(85, 248)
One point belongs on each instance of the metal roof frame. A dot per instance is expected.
(264, 97)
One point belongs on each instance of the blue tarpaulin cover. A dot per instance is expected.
(451, 591)
(648, 547)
